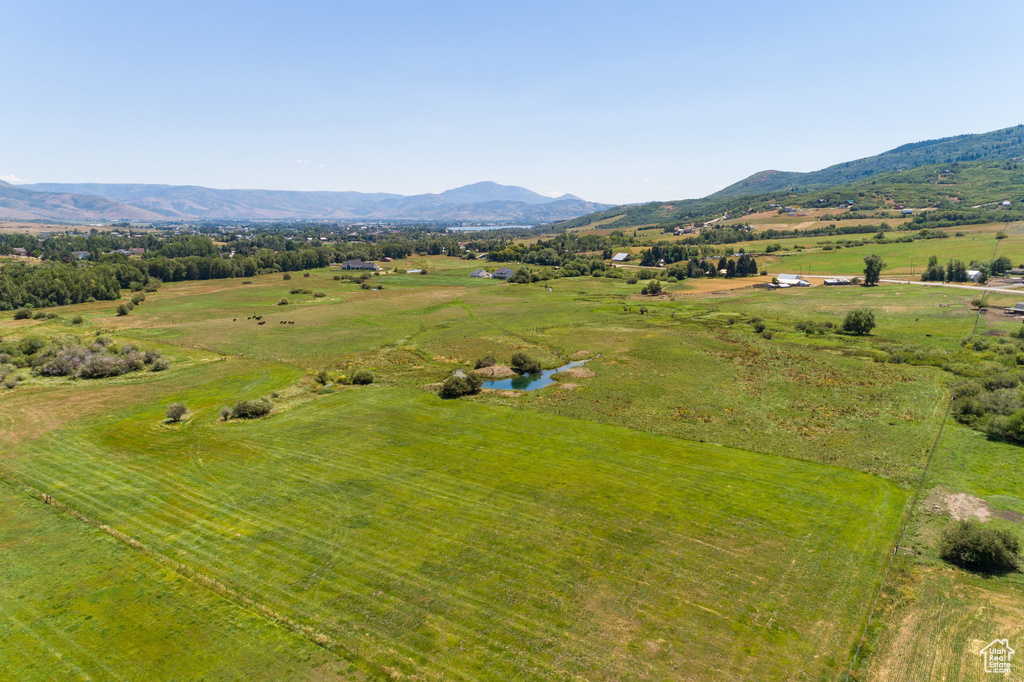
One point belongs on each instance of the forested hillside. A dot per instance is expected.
(977, 187)
(1005, 144)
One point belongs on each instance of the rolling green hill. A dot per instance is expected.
(1004, 144)
(957, 185)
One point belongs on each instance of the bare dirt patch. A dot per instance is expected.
(573, 373)
(568, 387)
(495, 371)
(1008, 515)
(962, 506)
(580, 354)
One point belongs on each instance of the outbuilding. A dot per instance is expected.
(792, 280)
(480, 273)
(356, 264)
(620, 257)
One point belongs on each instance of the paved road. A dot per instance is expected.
(1007, 289)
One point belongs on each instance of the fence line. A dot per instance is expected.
(910, 510)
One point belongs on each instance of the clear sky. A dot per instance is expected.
(612, 101)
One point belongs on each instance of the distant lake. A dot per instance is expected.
(474, 228)
(531, 382)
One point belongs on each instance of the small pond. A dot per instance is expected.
(530, 382)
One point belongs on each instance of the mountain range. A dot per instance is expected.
(479, 202)
(482, 201)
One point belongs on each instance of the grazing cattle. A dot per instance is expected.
(261, 324)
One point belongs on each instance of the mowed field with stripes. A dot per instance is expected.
(634, 527)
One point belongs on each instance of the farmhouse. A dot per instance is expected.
(480, 273)
(356, 264)
(974, 275)
(80, 255)
(503, 273)
(18, 251)
(1016, 310)
(907, 211)
(793, 281)
(1005, 204)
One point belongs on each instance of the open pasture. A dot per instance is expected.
(690, 367)
(423, 539)
(468, 539)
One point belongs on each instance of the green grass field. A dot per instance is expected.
(709, 502)
(419, 539)
(77, 604)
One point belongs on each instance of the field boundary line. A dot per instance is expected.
(320, 639)
(910, 509)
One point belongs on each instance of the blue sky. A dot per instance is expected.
(612, 101)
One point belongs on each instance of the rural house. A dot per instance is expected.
(18, 251)
(356, 264)
(480, 273)
(80, 255)
(620, 257)
(503, 273)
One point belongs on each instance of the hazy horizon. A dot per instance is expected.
(611, 102)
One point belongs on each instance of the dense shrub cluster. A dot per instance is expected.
(810, 327)
(251, 409)
(524, 364)
(972, 545)
(859, 322)
(362, 377)
(73, 357)
(458, 385)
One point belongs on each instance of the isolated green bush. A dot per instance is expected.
(459, 385)
(487, 361)
(523, 363)
(860, 321)
(251, 409)
(362, 377)
(22, 314)
(122, 310)
(175, 411)
(981, 548)
(652, 288)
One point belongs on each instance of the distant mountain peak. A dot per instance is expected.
(491, 191)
